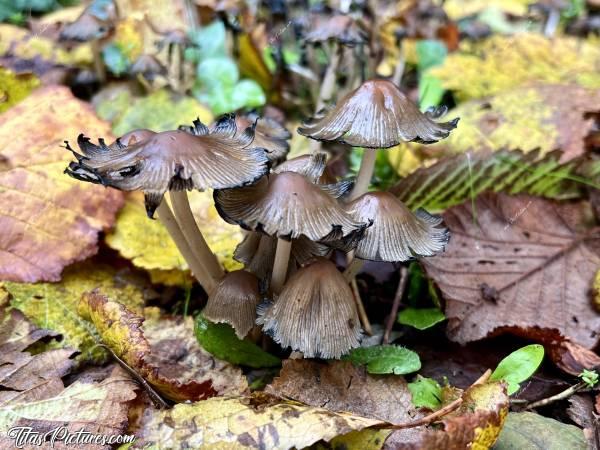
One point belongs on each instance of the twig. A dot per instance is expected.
(395, 305)
(560, 396)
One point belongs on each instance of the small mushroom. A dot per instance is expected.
(300, 164)
(288, 205)
(234, 301)
(396, 234)
(315, 313)
(376, 115)
(146, 68)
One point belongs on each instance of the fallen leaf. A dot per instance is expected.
(530, 431)
(520, 263)
(545, 117)
(459, 9)
(148, 244)
(382, 359)
(54, 305)
(572, 357)
(504, 62)
(426, 392)
(519, 366)
(421, 318)
(455, 179)
(257, 421)
(48, 220)
(173, 376)
(581, 411)
(15, 87)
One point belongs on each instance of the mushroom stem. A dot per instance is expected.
(552, 22)
(191, 15)
(98, 63)
(280, 266)
(352, 269)
(399, 69)
(329, 79)
(198, 270)
(362, 313)
(365, 173)
(193, 235)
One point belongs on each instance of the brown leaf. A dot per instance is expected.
(48, 221)
(519, 264)
(170, 359)
(573, 358)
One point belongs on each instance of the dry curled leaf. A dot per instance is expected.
(48, 221)
(520, 263)
(159, 360)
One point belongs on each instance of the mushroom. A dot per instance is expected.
(306, 164)
(95, 23)
(396, 234)
(146, 68)
(376, 115)
(234, 301)
(288, 205)
(175, 161)
(315, 313)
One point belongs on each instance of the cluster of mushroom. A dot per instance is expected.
(294, 214)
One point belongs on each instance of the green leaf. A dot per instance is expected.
(421, 318)
(426, 392)
(115, 59)
(218, 98)
(382, 359)
(220, 340)
(530, 431)
(210, 40)
(248, 94)
(519, 366)
(218, 72)
(431, 91)
(430, 53)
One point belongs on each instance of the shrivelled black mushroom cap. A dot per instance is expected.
(257, 253)
(173, 160)
(340, 28)
(315, 313)
(288, 205)
(396, 233)
(234, 301)
(376, 115)
(95, 22)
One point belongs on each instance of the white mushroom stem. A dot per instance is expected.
(352, 269)
(191, 14)
(198, 270)
(328, 84)
(362, 313)
(280, 266)
(365, 173)
(193, 235)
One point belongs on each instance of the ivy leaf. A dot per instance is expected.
(519, 366)
(210, 40)
(220, 340)
(383, 359)
(115, 59)
(248, 94)
(426, 392)
(421, 318)
(218, 72)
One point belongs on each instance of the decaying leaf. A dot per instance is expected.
(457, 178)
(504, 62)
(48, 220)
(158, 360)
(459, 9)
(148, 244)
(520, 263)
(54, 305)
(545, 117)
(14, 87)
(257, 421)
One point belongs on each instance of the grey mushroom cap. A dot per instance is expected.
(340, 28)
(315, 313)
(234, 301)
(377, 115)
(396, 234)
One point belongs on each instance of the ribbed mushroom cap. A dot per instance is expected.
(376, 115)
(95, 22)
(315, 313)
(148, 66)
(173, 160)
(234, 301)
(312, 166)
(396, 233)
(269, 135)
(257, 253)
(288, 205)
(340, 28)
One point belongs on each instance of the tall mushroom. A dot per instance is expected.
(315, 313)
(376, 115)
(175, 161)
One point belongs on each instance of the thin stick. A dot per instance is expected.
(365, 173)
(353, 268)
(98, 62)
(560, 396)
(395, 305)
(198, 270)
(280, 266)
(187, 223)
(362, 313)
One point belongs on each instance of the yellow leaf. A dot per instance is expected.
(503, 62)
(128, 36)
(459, 9)
(15, 87)
(149, 246)
(54, 305)
(245, 423)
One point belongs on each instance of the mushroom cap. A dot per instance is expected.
(234, 301)
(396, 233)
(340, 28)
(257, 253)
(269, 134)
(173, 160)
(288, 205)
(148, 66)
(95, 22)
(304, 164)
(315, 313)
(376, 115)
